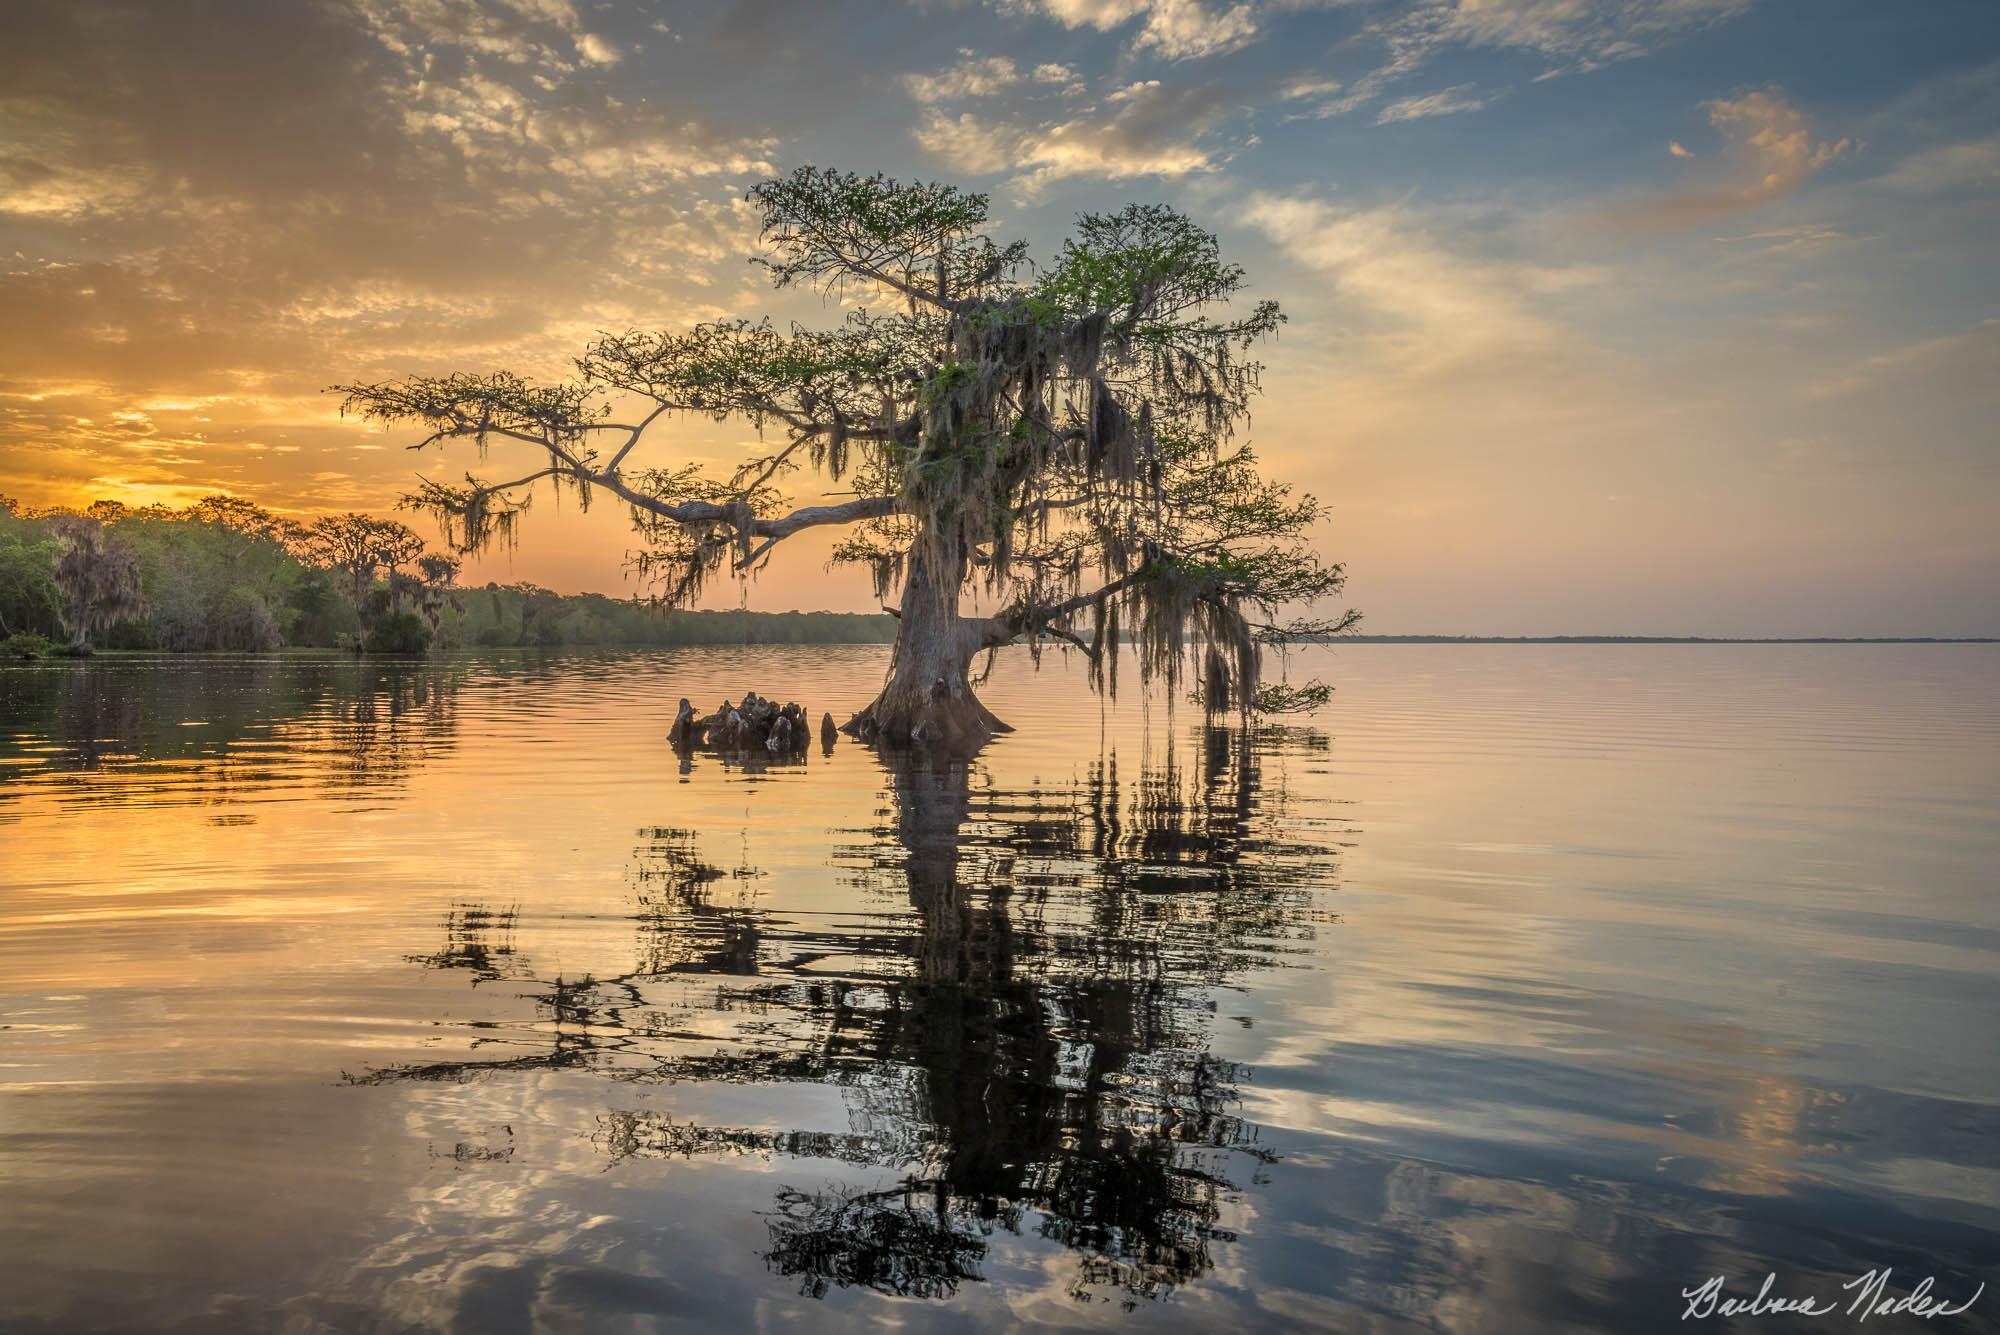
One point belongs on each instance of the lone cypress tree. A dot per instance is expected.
(1057, 439)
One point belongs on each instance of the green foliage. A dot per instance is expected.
(524, 616)
(218, 575)
(398, 632)
(30, 602)
(315, 612)
(244, 621)
(224, 576)
(26, 644)
(1159, 271)
(1277, 698)
(834, 229)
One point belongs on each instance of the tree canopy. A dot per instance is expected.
(1059, 439)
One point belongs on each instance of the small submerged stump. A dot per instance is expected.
(751, 724)
(685, 731)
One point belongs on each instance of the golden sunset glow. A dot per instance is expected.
(1570, 350)
(961, 666)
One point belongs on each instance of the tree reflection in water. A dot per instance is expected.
(230, 728)
(1021, 1026)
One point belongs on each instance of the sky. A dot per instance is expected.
(1605, 316)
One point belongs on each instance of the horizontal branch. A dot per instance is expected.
(713, 512)
(1005, 627)
(1089, 650)
(1030, 617)
(732, 515)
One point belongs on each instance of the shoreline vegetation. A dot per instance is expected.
(224, 576)
(723, 629)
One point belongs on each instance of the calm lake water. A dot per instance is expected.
(1520, 989)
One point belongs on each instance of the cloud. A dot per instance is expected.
(1418, 301)
(1968, 167)
(1571, 35)
(1677, 149)
(1187, 29)
(1308, 85)
(989, 76)
(1175, 29)
(596, 50)
(1449, 102)
(56, 184)
(1806, 238)
(971, 77)
(1768, 152)
(448, 184)
(970, 144)
(1587, 33)
(1142, 129)
(1951, 361)
(522, 32)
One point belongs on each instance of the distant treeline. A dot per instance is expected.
(502, 615)
(223, 574)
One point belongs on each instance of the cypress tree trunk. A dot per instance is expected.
(928, 699)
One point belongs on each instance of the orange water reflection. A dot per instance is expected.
(1523, 988)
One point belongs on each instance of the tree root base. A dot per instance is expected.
(957, 725)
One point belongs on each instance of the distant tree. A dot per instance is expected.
(241, 516)
(430, 591)
(30, 602)
(98, 578)
(316, 605)
(360, 547)
(438, 570)
(398, 632)
(1058, 438)
(243, 621)
(543, 612)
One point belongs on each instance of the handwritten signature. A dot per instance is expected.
(1870, 1296)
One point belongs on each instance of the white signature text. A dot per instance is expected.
(1867, 1295)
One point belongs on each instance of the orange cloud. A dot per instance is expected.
(1769, 152)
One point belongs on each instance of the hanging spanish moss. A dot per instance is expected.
(98, 578)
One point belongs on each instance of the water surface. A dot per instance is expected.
(1520, 989)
